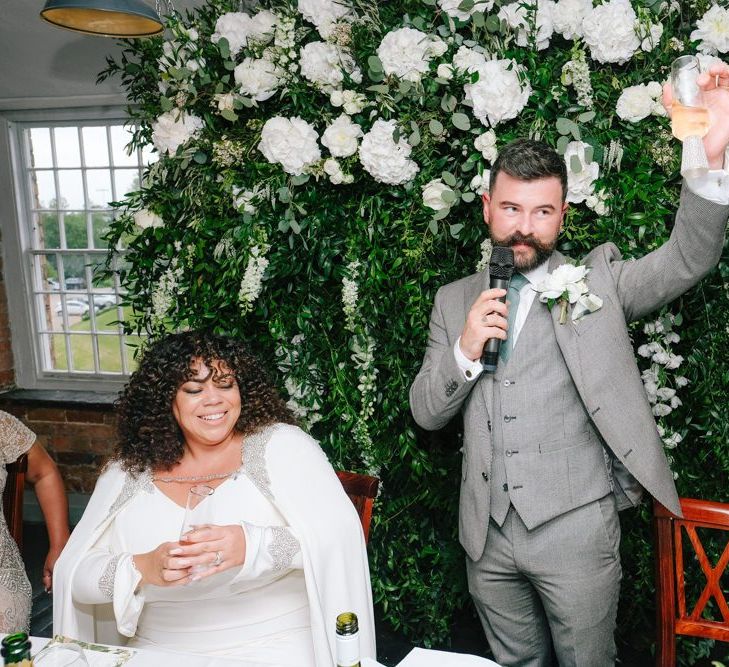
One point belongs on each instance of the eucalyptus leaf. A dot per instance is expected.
(433, 226)
(375, 64)
(468, 197)
(439, 215)
(448, 196)
(448, 178)
(456, 230)
(436, 127)
(461, 121)
(300, 179)
(200, 157)
(224, 47)
(229, 114)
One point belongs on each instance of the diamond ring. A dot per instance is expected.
(218, 559)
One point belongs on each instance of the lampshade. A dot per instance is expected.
(110, 18)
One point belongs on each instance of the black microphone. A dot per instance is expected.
(501, 268)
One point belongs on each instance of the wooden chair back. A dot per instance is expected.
(13, 498)
(362, 491)
(674, 617)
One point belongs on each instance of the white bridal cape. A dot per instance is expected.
(289, 468)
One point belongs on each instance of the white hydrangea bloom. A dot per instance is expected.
(290, 142)
(498, 95)
(433, 195)
(580, 183)
(258, 78)
(324, 14)
(567, 17)
(486, 144)
(235, 27)
(174, 128)
(712, 31)
(387, 161)
(609, 30)
(518, 18)
(452, 8)
(262, 27)
(341, 137)
(598, 202)
(406, 53)
(333, 169)
(468, 60)
(322, 64)
(638, 102)
(146, 218)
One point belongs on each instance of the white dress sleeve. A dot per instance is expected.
(103, 576)
(271, 551)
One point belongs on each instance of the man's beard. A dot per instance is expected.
(542, 251)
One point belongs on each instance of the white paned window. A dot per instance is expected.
(66, 173)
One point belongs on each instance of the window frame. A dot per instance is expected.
(19, 253)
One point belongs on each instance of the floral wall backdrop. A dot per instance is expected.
(319, 177)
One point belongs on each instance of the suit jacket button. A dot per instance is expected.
(485, 476)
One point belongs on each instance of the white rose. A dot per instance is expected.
(353, 102)
(243, 200)
(290, 142)
(565, 278)
(341, 137)
(609, 31)
(661, 410)
(225, 101)
(324, 14)
(637, 102)
(519, 19)
(712, 31)
(480, 182)
(322, 64)
(146, 218)
(445, 71)
(235, 27)
(486, 144)
(258, 78)
(334, 170)
(387, 161)
(580, 184)
(567, 17)
(468, 60)
(498, 94)
(406, 53)
(433, 195)
(172, 129)
(652, 37)
(452, 8)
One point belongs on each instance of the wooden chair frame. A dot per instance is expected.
(13, 498)
(362, 491)
(672, 616)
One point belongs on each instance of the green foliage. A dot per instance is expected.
(347, 368)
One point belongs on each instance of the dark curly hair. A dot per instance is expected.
(149, 437)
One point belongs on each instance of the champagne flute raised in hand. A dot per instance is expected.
(198, 512)
(689, 117)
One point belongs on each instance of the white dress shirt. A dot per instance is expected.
(713, 186)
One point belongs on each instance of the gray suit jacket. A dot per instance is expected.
(598, 353)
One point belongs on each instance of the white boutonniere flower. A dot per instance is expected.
(567, 285)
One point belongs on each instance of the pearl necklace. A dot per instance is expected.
(203, 478)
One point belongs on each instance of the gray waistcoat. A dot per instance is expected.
(547, 456)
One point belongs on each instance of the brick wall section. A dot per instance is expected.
(79, 440)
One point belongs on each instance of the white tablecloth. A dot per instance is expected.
(418, 657)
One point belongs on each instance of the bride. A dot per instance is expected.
(284, 553)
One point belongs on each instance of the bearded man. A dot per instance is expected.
(561, 436)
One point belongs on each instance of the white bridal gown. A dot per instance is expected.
(258, 612)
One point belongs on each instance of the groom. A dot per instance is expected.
(561, 436)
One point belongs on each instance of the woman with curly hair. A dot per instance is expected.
(262, 580)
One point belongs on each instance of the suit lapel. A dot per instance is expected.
(566, 334)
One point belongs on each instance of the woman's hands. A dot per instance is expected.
(50, 563)
(218, 548)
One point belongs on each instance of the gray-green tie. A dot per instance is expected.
(512, 295)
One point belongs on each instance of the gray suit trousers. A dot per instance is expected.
(553, 587)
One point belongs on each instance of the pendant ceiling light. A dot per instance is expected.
(109, 18)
